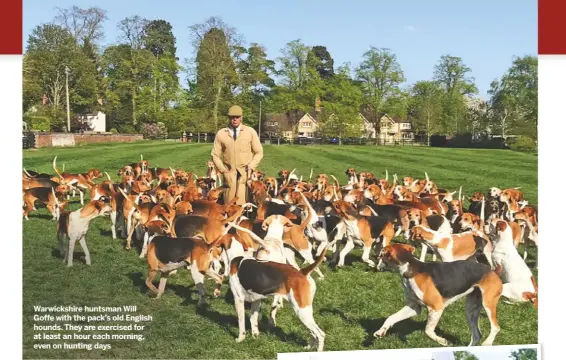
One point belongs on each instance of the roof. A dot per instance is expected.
(285, 121)
(395, 119)
(312, 115)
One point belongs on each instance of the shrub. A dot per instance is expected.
(523, 143)
(175, 134)
(40, 123)
(114, 131)
(156, 131)
(127, 129)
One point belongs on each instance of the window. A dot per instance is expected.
(306, 124)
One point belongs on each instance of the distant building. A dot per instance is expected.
(96, 121)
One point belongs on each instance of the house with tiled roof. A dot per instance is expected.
(300, 124)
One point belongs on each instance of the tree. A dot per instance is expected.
(514, 99)
(293, 70)
(300, 83)
(524, 354)
(341, 107)
(381, 76)
(118, 83)
(452, 74)
(319, 58)
(426, 106)
(139, 60)
(464, 355)
(214, 42)
(255, 82)
(478, 118)
(50, 50)
(158, 38)
(85, 25)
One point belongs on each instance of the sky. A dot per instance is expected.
(486, 34)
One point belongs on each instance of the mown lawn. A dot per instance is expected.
(350, 303)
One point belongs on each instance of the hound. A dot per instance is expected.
(519, 284)
(437, 285)
(253, 280)
(74, 225)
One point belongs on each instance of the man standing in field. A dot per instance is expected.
(237, 152)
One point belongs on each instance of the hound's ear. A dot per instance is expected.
(409, 248)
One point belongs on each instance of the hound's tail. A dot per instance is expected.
(309, 269)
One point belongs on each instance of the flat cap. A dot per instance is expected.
(235, 110)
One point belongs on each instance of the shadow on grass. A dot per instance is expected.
(336, 312)
(230, 324)
(183, 291)
(78, 256)
(41, 216)
(401, 329)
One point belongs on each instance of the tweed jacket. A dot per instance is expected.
(229, 154)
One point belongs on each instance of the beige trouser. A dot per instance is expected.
(236, 187)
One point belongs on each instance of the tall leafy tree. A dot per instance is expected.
(453, 75)
(50, 50)
(426, 106)
(293, 70)
(158, 38)
(478, 118)
(139, 60)
(381, 75)
(255, 80)
(514, 99)
(320, 59)
(342, 104)
(300, 83)
(118, 85)
(216, 74)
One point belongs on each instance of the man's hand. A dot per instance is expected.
(248, 171)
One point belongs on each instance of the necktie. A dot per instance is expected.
(235, 134)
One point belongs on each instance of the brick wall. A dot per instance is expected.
(46, 139)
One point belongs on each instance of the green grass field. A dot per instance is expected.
(350, 304)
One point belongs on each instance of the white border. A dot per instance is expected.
(490, 352)
(552, 132)
(10, 211)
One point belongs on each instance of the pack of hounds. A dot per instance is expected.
(181, 221)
